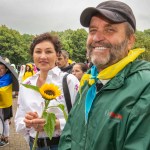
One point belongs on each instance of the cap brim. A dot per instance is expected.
(88, 13)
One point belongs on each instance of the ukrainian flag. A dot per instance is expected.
(6, 90)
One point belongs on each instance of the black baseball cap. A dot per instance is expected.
(115, 11)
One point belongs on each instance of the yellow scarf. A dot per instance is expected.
(112, 70)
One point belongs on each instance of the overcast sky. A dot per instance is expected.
(39, 16)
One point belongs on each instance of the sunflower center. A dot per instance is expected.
(49, 92)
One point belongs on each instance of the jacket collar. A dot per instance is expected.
(129, 70)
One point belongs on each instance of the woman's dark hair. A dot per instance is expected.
(83, 66)
(46, 37)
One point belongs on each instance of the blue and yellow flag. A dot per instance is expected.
(5, 91)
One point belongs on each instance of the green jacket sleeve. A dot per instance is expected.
(138, 126)
(65, 141)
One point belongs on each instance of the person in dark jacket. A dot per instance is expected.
(112, 109)
(63, 63)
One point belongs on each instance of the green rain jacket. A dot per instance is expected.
(120, 115)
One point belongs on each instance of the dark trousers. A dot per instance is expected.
(45, 144)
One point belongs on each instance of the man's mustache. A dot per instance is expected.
(102, 44)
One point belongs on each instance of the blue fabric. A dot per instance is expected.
(5, 80)
(91, 93)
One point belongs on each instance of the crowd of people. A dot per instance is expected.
(108, 96)
(55, 64)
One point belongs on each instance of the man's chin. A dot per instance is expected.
(100, 65)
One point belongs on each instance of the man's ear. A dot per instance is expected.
(131, 41)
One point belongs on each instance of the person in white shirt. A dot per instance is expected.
(21, 73)
(45, 49)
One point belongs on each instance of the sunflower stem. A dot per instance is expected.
(37, 133)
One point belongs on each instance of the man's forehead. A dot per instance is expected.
(1, 65)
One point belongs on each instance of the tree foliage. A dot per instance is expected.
(143, 41)
(74, 42)
(15, 46)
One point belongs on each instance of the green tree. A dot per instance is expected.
(74, 42)
(143, 41)
(14, 46)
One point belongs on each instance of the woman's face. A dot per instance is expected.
(77, 71)
(3, 70)
(27, 68)
(44, 56)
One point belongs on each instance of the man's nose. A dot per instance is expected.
(73, 73)
(98, 36)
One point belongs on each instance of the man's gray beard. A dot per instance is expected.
(115, 51)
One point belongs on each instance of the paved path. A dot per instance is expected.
(16, 141)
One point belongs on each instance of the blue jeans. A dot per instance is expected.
(52, 147)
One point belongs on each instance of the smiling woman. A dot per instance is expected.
(44, 49)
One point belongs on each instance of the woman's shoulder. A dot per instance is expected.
(71, 78)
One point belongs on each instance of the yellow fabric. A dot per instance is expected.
(26, 75)
(6, 96)
(84, 78)
(112, 70)
(70, 61)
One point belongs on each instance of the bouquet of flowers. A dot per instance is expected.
(48, 92)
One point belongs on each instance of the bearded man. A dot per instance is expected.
(112, 109)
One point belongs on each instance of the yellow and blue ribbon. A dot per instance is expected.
(91, 92)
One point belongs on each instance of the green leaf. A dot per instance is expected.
(49, 127)
(31, 87)
(62, 107)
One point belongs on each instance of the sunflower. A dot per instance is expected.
(49, 91)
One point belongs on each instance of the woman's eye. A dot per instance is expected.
(38, 52)
(48, 52)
